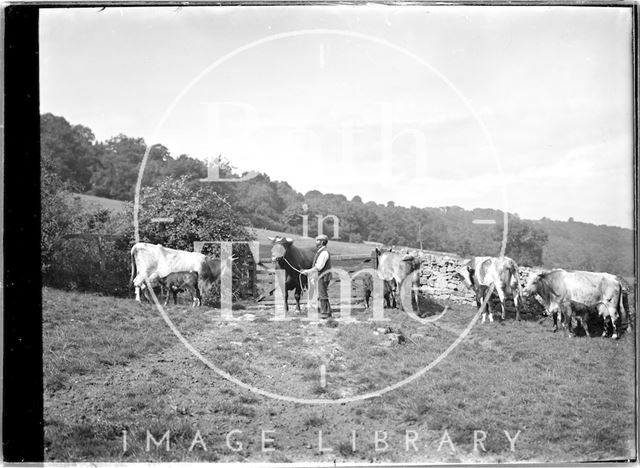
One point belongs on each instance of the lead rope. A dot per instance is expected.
(295, 269)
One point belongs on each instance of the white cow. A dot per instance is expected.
(150, 262)
(563, 291)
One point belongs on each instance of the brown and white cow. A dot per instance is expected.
(480, 273)
(566, 292)
(150, 262)
(403, 268)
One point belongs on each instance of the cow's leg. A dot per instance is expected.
(386, 298)
(614, 317)
(399, 291)
(390, 300)
(416, 297)
(193, 296)
(516, 303)
(146, 293)
(297, 294)
(137, 284)
(584, 322)
(487, 300)
(605, 328)
(604, 313)
(478, 292)
(367, 296)
(501, 295)
(393, 294)
(555, 320)
(568, 319)
(166, 299)
(198, 297)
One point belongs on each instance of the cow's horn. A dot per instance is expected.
(289, 239)
(271, 238)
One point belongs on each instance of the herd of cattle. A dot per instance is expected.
(565, 294)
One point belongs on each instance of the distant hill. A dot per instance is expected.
(571, 245)
(261, 235)
(106, 171)
(584, 246)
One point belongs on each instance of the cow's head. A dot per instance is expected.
(279, 246)
(380, 251)
(466, 274)
(213, 269)
(412, 261)
(536, 289)
(533, 284)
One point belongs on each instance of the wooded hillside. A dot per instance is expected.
(110, 168)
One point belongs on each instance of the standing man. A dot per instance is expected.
(321, 264)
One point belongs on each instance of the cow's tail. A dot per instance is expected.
(133, 265)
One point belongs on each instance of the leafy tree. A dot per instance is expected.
(389, 237)
(70, 149)
(261, 202)
(464, 248)
(192, 169)
(58, 210)
(525, 242)
(120, 158)
(198, 215)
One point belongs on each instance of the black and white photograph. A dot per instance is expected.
(337, 234)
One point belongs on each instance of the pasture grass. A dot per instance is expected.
(83, 333)
(337, 247)
(113, 365)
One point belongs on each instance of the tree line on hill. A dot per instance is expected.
(110, 169)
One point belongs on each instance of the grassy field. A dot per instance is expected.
(112, 365)
(101, 202)
(337, 247)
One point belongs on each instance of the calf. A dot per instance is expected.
(182, 281)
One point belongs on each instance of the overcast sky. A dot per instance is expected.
(527, 109)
